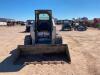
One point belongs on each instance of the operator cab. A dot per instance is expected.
(43, 25)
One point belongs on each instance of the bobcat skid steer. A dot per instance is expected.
(43, 38)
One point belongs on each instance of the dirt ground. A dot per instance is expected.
(84, 49)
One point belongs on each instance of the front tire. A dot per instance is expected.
(58, 40)
(28, 40)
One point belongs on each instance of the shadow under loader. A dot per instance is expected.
(7, 65)
(15, 63)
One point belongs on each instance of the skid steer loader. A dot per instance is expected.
(43, 38)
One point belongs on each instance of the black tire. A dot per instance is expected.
(27, 29)
(81, 29)
(70, 29)
(75, 28)
(28, 40)
(58, 40)
(66, 29)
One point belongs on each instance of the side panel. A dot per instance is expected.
(32, 33)
(53, 32)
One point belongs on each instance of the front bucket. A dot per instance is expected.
(44, 49)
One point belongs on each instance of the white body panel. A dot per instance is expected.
(3, 23)
(32, 33)
(53, 32)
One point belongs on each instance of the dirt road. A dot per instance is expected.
(84, 49)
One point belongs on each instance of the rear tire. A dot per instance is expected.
(58, 40)
(28, 40)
